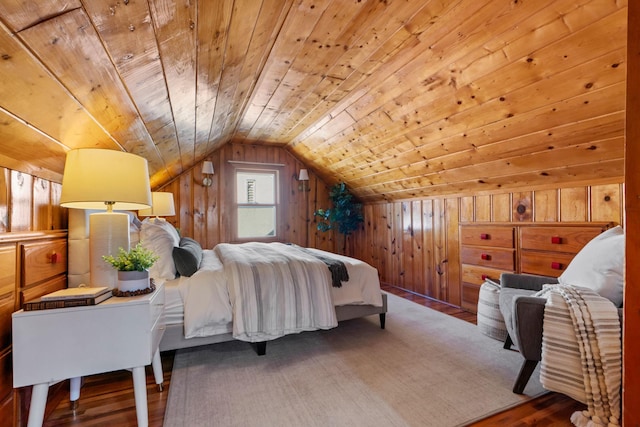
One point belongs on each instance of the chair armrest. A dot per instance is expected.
(529, 316)
(530, 282)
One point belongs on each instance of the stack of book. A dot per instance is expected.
(70, 297)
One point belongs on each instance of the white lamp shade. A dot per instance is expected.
(162, 205)
(207, 168)
(94, 176)
(304, 175)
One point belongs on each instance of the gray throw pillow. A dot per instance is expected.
(187, 256)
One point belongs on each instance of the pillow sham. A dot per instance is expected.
(187, 256)
(160, 237)
(599, 266)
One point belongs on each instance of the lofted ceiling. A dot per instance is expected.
(398, 98)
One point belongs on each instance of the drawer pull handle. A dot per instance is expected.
(54, 258)
(485, 257)
(556, 266)
(556, 240)
(484, 236)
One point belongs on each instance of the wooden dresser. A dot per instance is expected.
(31, 265)
(487, 250)
(549, 250)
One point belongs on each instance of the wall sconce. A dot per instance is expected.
(303, 178)
(207, 171)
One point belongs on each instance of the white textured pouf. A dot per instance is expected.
(490, 320)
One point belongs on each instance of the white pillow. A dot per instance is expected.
(134, 229)
(160, 237)
(599, 266)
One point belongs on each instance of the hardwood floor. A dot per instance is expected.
(108, 399)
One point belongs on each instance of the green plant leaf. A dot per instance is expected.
(138, 258)
(345, 215)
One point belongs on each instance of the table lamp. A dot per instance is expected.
(162, 205)
(105, 180)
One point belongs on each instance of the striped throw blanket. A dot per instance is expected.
(275, 290)
(582, 352)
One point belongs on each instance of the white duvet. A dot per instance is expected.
(275, 290)
(207, 303)
(363, 286)
(207, 309)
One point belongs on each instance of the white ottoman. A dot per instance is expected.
(490, 320)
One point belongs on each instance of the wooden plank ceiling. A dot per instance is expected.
(398, 98)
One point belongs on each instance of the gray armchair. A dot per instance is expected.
(523, 316)
(599, 266)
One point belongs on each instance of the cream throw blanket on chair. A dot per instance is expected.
(582, 352)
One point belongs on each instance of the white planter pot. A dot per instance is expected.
(129, 281)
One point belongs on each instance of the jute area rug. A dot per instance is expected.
(424, 369)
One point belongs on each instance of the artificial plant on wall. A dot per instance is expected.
(345, 215)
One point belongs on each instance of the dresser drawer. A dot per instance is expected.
(7, 292)
(557, 239)
(6, 409)
(8, 269)
(157, 332)
(470, 295)
(49, 286)
(544, 263)
(43, 260)
(156, 304)
(488, 257)
(6, 374)
(476, 275)
(495, 236)
(7, 306)
(157, 317)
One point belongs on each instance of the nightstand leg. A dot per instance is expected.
(74, 391)
(156, 363)
(38, 404)
(140, 393)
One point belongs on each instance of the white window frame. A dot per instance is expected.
(276, 170)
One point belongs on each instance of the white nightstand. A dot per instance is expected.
(68, 343)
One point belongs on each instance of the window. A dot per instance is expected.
(257, 200)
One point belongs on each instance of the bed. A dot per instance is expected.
(254, 292)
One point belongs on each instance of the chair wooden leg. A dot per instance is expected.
(507, 343)
(523, 377)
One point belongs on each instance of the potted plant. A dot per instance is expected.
(345, 215)
(133, 267)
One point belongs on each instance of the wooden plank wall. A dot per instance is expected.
(415, 244)
(28, 203)
(205, 212)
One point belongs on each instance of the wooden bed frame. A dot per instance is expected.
(174, 339)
